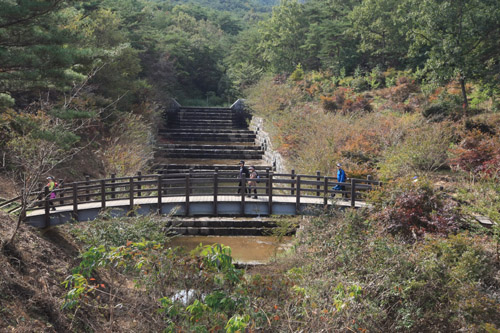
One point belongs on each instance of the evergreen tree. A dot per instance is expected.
(461, 38)
(37, 48)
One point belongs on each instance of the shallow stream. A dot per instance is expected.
(244, 249)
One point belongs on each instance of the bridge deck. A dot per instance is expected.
(197, 206)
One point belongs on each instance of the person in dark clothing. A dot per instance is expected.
(243, 171)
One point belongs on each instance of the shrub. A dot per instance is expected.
(360, 84)
(335, 102)
(423, 150)
(357, 104)
(298, 73)
(328, 104)
(412, 209)
(376, 78)
(478, 154)
(445, 107)
(402, 91)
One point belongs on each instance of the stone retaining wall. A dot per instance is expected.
(271, 156)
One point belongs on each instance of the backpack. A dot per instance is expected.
(258, 176)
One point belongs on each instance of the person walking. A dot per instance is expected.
(52, 185)
(243, 171)
(252, 183)
(341, 178)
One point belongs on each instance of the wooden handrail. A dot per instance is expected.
(206, 183)
(6, 203)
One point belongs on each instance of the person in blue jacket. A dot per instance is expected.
(341, 178)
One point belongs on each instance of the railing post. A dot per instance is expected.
(353, 192)
(131, 193)
(103, 194)
(159, 194)
(113, 188)
(61, 194)
(75, 201)
(369, 178)
(267, 177)
(292, 185)
(188, 191)
(191, 172)
(47, 206)
(40, 187)
(318, 187)
(87, 183)
(243, 193)
(139, 186)
(216, 189)
(297, 201)
(270, 193)
(325, 193)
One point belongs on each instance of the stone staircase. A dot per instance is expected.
(196, 140)
(201, 139)
(226, 226)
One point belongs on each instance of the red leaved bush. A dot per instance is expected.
(412, 211)
(345, 101)
(478, 153)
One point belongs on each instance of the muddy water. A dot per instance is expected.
(244, 249)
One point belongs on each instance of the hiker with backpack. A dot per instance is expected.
(52, 185)
(252, 183)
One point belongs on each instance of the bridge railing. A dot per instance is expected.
(192, 184)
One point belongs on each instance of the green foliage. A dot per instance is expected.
(283, 35)
(298, 73)
(6, 101)
(237, 323)
(197, 310)
(359, 84)
(112, 232)
(454, 35)
(218, 257)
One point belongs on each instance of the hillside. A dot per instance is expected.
(406, 92)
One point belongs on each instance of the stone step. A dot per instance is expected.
(206, 167)
(222, 226)
(206, 109)
(202, 124)
(208, 120)
(208, 147)
(212, 143)
(204, 115)
(206, 130)
(210, 150)
(211, 137)
(210, 155)
(197, 126)
(219, 138)
(223, 223)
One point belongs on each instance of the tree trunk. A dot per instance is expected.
(464, 95)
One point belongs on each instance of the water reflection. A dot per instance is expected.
(244, 249)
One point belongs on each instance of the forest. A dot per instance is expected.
(406, 91)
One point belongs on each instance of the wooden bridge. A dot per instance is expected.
(214, 193)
